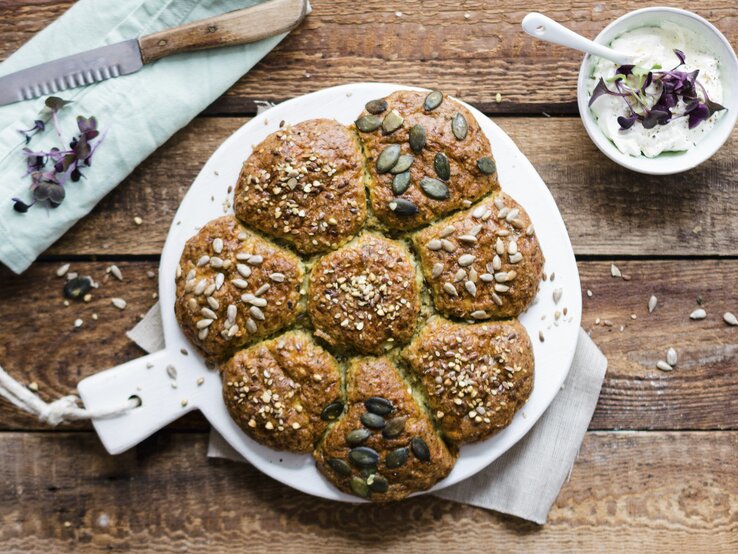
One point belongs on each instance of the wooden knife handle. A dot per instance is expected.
(232, 28)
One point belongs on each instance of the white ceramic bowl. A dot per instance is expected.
(668, 163)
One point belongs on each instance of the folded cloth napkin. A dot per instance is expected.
(524, 481)
(140, 111)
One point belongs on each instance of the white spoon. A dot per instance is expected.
(544, 28)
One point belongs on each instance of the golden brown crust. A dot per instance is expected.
(305, 184)
(506, 264)
(365, 295)
(226, 265)
(378, 377)
(476, 375)
(276, 390)
(466, 183)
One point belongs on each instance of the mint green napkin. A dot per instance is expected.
(140, 111)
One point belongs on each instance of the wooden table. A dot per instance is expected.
(656, 471)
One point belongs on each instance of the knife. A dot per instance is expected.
(123, 58)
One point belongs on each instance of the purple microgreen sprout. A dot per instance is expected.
(54, 103)
(38, 126)
(655, 94)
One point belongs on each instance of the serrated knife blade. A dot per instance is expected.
(72, 71)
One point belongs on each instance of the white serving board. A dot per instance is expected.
(147, 377)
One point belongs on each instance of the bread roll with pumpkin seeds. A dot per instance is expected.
(283, 392)
(365, 295)
(305, 184)
(484, 262)
(234, 287)
(476, 376)
(384, 447)
(425, 158)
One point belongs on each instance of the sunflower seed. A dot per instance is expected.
(376, 106)
(447, 231)
(254, 300)
(402, 207)
(730, 319)
(200, 287)
(219, 280)
(512, 215)
(368, 123)
(339, 466)
(256, 259)
(332, 411)
(191, 275)
(239, 283)
(420, 449)
(233, 331)
(203, 333)
(471, 288)
(359, 486)
(203, 260)
(447, 245)
(460, 276)
(500, 246)
(699, 313)
(672, 357)
(437, 270)
(496, 299)
(502, 214)
(62, 270)
(469, 239)
(231, 312)
(403, 164)
(243, 256)
(388, 158)
(394, 427)
(433, 100)
(434, 244)
(557, 295)
(502, 277)
(251, 325)
(217, 245)
(473, 275)
(651, 303)
(378, 405)
(486, 165)
(615, 271)
(450, 289)
(442, 166)
(396, 458)
(201, 324)
(244, 270)
(377, 483)
(357, 436)
(487, 277)
(417, 138)
(262, 289)
(391, 122)
(516, 258)
(256, 313)
(459, 126)
(663, 366)
(479, 314)
(512, 247)
(364, 456)
(499, 287)
(207, 312)
(115, 270)
(209, 290)
(466, 260)
(433, 188)
(213, 303)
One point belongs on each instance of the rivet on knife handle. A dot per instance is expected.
(237, 27)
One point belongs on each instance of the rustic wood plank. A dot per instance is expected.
(432, 43)
(608, 210)
(165, 496)
(700, 393)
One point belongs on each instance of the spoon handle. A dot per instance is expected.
(545, 28)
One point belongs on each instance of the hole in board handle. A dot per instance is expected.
(137, 399)
(540, 29)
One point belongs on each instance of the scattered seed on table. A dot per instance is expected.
(184, 402)
(137, 220)
(730, 319)
(94, 317)
(200, 381)
(115, 270)
(78, 323)
(652, 303)
(615, 271)
(184, 352)
(663, 366)
(557, 295)
(33, 386)
(172, 372)
(671, 357)
(541, 337)
(62, 270)
(119, 303)
(498, 97)
(589, 293)
(699, 313)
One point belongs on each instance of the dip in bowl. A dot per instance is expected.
(662, 39)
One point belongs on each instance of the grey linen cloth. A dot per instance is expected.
(523, 482)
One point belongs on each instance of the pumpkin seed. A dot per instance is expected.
(388, 158)
(401, 183)
(363, 456)
(75, 289)
(433, 100)
(359, 486)
(357, 436)
(377, 483)
(378, 405)
(459, 126)
(442, 166)
(394, 427)
(396, 458)
(339, 466)
(373, 421)
(403, 164)
(332, 411)
(417, 138)
(376, 106)
(433, 188)
(392, 121)
(402, 207)
(368, 123)
(486, 165)
(420, 449)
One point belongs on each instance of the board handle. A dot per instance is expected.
(148, 379)
(237, 27)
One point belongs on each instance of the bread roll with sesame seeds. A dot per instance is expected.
(277, 391)
(475, 376)
(304, 184)
(234, 287)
